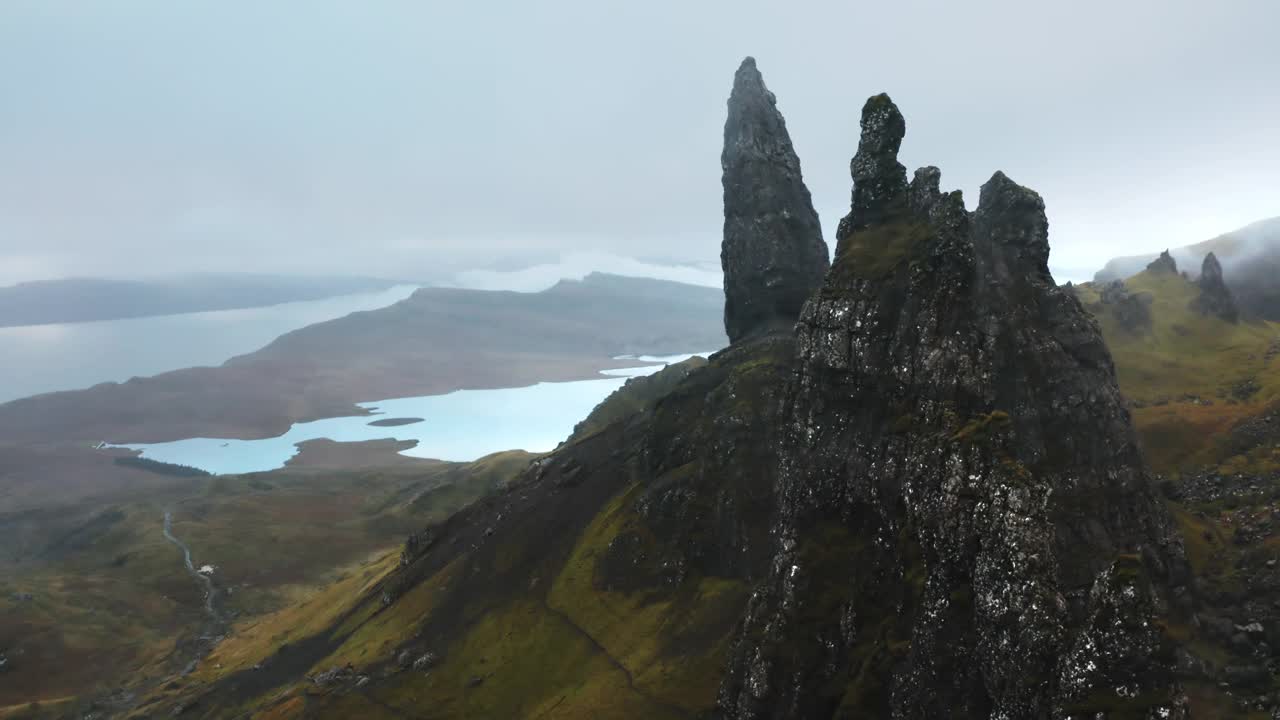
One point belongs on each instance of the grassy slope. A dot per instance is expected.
(1182, 377)
(517, 603)
(1182, 374)
(110, 600)
(636, 396)
(521, 599)
(529, 623)
(526, 623)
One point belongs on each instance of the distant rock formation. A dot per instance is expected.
(773, 254)
(1163, 264)
(1132, 311)
(1215, 298)
(1250, 255)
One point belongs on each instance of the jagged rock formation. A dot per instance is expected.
(965, 526)
(929, 503)
(878, 178)
(1215, 298)
(773, 254)
(1163, 264)
(1132, 310)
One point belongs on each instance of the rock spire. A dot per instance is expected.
(773, 254)
(878, 178)
(1215, 298)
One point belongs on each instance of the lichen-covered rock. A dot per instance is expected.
(773, 254)
(1215, 298)
(966, 528)
(878, 178)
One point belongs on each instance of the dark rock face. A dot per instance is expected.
(1163, 264)
(1215, 298)
(965, 525)
(878, 178)
(773, 254)
(1132, 311)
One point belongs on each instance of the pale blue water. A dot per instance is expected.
(44, 358)
(461, 426)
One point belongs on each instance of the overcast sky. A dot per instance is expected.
(398, 138)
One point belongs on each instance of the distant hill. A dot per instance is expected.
(1250, 258)
(1192, 378)
(436, 341)
(89, 299)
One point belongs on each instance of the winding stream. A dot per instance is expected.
(210, 593)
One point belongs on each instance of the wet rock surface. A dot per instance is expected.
(878, 178)
(773, 254)
(965, 525)
(1215, 298)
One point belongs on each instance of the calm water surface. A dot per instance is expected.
(43, 358)
(461, 426)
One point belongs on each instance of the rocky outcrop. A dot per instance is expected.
(1163, 264)
(878, 178)
(1215, 298)
(965, 525)
(773, 254)
(1251, 255)
(1132, 311)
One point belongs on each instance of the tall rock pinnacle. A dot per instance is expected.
(1215, 298)
(965, 526)
(878, 178)
(773, 254)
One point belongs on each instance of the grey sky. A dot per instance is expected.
(383, 137)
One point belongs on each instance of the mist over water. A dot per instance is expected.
(47, 358)
(575, 266)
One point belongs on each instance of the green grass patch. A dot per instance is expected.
(875, 252)
(673, 641)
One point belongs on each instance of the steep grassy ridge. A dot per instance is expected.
(605, 582)
(93, 596)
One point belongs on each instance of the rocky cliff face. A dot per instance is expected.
(965, 526)
(1215, 298)
(773, 254)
